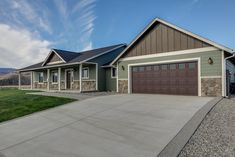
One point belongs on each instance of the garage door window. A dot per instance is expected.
(192, 65)
(181, 66)
(164, 67)
(148, 68)
(135, 69)
(141, 69)
(156, 67)
(172, 66)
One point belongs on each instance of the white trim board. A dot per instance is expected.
(211, 76)
(177, 28)
(168, 61)
(173, 53)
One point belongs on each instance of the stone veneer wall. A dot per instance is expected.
(62, 85)
(123, 86)
(76, 85)
(53, 86)
(211, 87)
(38, 85)
(88, 85)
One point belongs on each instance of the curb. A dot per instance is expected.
(173, 148)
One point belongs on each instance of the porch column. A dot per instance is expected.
(97, 79)
(31, 75)
(80, 78)
(19, 81)
(48, 79)
(59, 78)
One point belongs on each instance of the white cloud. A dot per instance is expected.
(30, 14)
(20, 48)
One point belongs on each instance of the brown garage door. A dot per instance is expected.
(174, 78)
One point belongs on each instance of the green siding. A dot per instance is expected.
(101, 60)
(110, 82)
(206, 69)
(92, 71)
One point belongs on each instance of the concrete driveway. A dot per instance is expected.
(108, 126)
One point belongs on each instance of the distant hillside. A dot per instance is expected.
(6, 70)
(12, 79)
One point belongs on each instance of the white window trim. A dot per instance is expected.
(162, 62)
(52, 77)
(88, 73)
(112, 72)
(42, 78)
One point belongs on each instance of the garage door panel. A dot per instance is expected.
(174, 78)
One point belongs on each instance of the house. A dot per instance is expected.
(65, 70)
(166, 59)
(162, 59)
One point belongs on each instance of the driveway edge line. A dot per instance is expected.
(174, 147)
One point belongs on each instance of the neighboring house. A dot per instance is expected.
(65, 70)
(163, 59)
(166, 59)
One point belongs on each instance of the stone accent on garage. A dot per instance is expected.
(211, 87)
(123, 86)
(88, 85)
(38, 85)
(76, 85)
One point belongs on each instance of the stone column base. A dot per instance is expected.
(123, 86)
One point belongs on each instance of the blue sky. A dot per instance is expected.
(29, 29)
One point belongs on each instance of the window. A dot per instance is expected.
(182, 66)
(156, 67)
(192, 65)
(148, 68)
(164, 67)
(135, 69)
(141, 69)
(40, 77)
(172, 66)
(85, 73)
(113, 72)
(54, 77)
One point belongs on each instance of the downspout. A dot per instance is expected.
(225, 74)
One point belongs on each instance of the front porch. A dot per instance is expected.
(73, 78)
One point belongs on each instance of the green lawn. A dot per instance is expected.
(16, 103)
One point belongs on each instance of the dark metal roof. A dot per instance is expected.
(74, 57)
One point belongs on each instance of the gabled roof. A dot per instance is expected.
(70, 58)
(158, 20)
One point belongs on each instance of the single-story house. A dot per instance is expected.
(77, 71)
(162, 59)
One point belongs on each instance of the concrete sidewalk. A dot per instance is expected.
(136, 125)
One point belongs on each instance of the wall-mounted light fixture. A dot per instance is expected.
(123, 68)
(210, 61)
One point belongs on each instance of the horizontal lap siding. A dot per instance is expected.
(206, 69)
(162, 38)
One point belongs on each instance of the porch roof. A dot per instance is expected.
(71, 58)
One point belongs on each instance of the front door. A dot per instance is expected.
(68, 79)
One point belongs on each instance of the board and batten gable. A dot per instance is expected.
(161, 38)
(53, 58)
